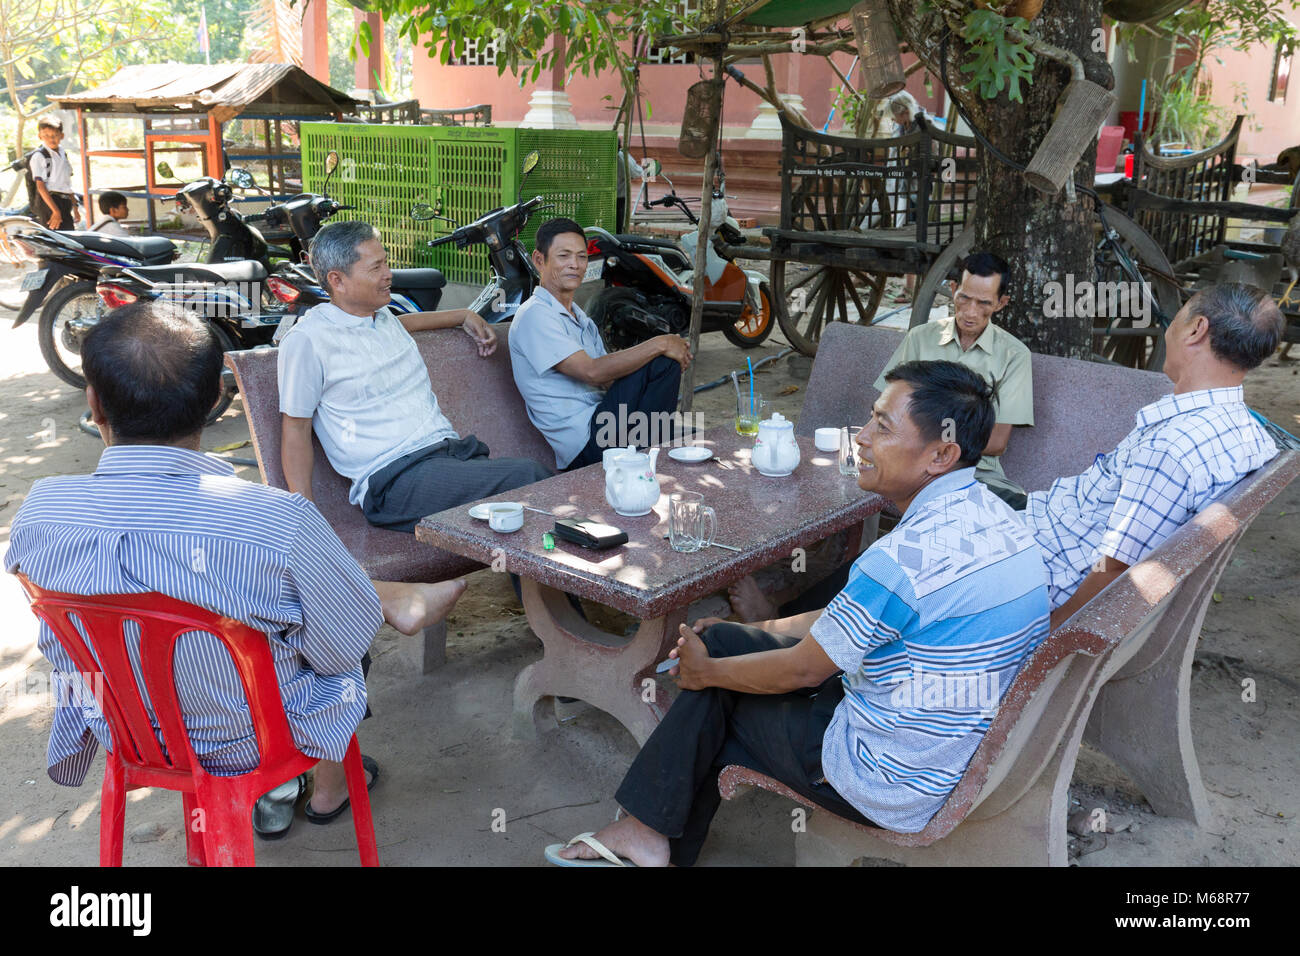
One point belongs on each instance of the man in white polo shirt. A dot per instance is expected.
(350, 371)
(569, 383)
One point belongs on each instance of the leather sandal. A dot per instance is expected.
(371, 767)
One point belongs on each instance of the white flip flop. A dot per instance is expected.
(609, 858)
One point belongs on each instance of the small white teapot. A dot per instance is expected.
(776, 453)
(631, 486)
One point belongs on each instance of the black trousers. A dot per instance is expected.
(672, 785)
(649, 390)
(439, 477)
(67, 209)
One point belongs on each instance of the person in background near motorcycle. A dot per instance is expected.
(52, 171)
(561, 368)
(112, 208)
(350, 371)
(908, 117)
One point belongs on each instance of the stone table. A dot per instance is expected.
(766, 518)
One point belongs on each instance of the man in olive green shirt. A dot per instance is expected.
(971, 339)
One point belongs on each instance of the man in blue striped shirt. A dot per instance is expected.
(158, 515)
(873, 707)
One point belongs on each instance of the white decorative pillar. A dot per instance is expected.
(767, 124)
(549, 106)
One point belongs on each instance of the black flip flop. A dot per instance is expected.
(371, 767)
(273, 811)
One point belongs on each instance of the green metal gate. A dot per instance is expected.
(463, 172)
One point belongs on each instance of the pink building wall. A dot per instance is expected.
(1274, 126)
(664, 88)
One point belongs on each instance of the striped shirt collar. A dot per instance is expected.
(1170, 405)
(948, 333)
(159, 460)
(943, 485)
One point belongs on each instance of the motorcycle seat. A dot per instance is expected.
(646, 241)
(148, 249)
(418, 279)
(247, 270)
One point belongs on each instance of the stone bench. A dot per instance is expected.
(477, 395)
(1117, 674)
(1068, 430)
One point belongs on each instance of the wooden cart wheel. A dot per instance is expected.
(808, 297)
(937, 275)
(1135, 342)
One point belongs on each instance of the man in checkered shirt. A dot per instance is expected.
(1185, 451)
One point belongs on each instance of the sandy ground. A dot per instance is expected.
(452, 773)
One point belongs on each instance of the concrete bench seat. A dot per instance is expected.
(477, 395)
(1117, 674)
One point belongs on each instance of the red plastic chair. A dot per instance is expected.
(218, 810)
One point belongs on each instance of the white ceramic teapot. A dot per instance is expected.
(631, 486)
(776, 453)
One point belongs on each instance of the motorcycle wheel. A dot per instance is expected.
(752, 327)
(61, 350)
(608, 310)
(228, 389)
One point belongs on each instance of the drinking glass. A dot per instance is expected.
(849, 451)
(749, 414)
(688, 518)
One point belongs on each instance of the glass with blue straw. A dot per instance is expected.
(748, 413)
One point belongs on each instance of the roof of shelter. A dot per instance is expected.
(223, 89)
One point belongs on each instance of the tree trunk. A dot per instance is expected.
(1043, 238)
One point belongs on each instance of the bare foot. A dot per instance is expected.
(628, 838)
(410, 608)
(749, 602)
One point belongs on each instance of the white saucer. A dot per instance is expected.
(480, 511)
(692, 454)
(773, 474)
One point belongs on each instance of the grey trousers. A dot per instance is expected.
(439, 477)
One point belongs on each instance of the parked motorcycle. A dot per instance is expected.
(63, 284)
(294, 282)
(231, 289)
(513, 275)
(649, 284)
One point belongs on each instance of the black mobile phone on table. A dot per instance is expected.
(589, 534)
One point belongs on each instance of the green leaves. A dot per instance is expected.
(996, 63)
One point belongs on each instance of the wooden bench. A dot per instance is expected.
(477, 395)
(1117, 673)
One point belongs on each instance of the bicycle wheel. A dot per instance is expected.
(1133, 333)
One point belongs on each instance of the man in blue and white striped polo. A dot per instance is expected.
(158, 515)
(873, 707)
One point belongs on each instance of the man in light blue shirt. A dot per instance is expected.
(580, 397)
(158, 515)
(874, 707)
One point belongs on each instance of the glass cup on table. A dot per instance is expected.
(849, 451)
(749, 412)
(691, 523)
